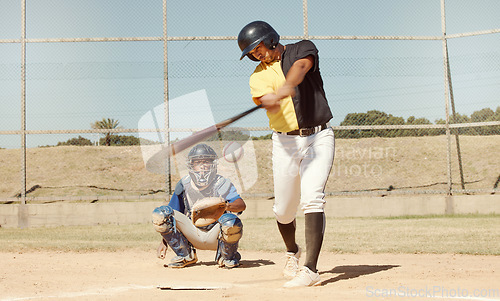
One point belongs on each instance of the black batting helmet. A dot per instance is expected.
(255, 32)
(202, 178)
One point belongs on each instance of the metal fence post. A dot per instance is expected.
(305, 19)
(23, 209)
(454, 113)
(446, 93)
(168, 184)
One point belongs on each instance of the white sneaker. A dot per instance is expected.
(292, 264)
(305, 277)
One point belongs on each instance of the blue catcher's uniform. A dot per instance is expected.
(186, 194)
(174, 223)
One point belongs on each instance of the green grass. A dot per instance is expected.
(459, 234)
(439, 234)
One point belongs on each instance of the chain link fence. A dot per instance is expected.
(414, 90)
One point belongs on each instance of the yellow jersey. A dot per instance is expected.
(266, 79)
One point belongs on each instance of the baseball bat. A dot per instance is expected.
(158, 159)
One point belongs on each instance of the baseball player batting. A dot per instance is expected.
(288, 84)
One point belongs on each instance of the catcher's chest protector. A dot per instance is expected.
(220, 187)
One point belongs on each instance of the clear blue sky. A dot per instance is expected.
(71, 85)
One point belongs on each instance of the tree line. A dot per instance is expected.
(375, 117)
(109, 139)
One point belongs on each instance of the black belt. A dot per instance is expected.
(306, 131)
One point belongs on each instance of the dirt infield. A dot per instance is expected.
(136, 275)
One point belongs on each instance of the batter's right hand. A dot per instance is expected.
(162, 250)
(271, 102)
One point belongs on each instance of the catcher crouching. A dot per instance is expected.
(202, 214)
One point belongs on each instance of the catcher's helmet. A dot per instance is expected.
(255, 32)
(202, 178)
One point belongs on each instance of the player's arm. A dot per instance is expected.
(237, 205)
(234, 202)
(294, 77)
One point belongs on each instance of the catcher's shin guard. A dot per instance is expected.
(227, 255)
(163, 219)
(227, 248)
(164, 223)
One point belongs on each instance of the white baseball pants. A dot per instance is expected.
(301, 166)
(199, 239)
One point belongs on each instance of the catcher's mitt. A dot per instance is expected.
(207, 211)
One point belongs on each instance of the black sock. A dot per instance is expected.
(288, 234)
(314, 228)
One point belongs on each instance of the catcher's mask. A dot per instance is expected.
(252, 34)
(202, 165)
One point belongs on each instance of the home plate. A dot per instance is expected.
(195, 286)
